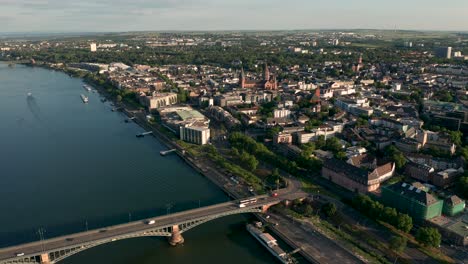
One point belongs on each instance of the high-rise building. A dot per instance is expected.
(444, 52)
(408, 44)
(93, 47)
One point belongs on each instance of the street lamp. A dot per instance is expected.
(168, 208)
(41, 231)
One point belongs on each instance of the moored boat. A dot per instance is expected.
(270, 243)
(84, 98)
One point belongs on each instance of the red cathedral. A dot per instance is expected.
(268, 83)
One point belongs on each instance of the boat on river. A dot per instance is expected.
(84, 98)
(270, 243)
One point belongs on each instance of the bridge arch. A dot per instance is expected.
(57, 255)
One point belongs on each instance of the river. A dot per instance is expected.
(67, 166)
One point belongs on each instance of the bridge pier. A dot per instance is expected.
(266, 207)
(45, 258)
(176, 237)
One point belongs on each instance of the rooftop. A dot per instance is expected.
(413, 193)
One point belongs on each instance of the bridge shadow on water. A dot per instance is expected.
(10, 238)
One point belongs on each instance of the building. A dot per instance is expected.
(282, 138)
(408, 199)
(199, 135)
(355, 106)
(354, 178)
(453, 205)
(280, 113)
(188, 124)
(446, 178)
(454, 221)
(158, 100)
(444, 52)
(221, 115)
(421, 172)
(408, 145)
(268, 83)
(304, 137)
(228, 100)
(93, 47)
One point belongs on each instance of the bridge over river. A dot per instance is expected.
(172, 226)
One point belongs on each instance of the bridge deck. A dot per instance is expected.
(75, 240)
(137, 227)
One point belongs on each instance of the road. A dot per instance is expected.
(110, 233)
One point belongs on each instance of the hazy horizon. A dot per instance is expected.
(102, 16)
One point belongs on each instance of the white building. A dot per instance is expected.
(93, 47)
(280, 113)
(356, 106)
(396, 86)
(157, 100)
(194, 134)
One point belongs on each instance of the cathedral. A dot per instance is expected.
(268, 83)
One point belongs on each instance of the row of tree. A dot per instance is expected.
(378, 211)
(247, 144)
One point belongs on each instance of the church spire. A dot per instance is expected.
(266, 76)
(242, 78)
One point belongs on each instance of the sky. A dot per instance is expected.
(188, 15)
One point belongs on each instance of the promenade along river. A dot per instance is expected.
(67, 166)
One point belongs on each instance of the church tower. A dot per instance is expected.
(266, 75)
(358, 66)
(242, 78)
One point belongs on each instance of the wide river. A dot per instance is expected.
(66, 166)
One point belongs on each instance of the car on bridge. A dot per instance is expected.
(151, 222)
(20, 254)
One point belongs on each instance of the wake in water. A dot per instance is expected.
(34, 108)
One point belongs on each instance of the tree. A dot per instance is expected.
(119, 98)
(249, 161)
(390, 214)
(308, 210)
(463, 186)
(320, 143)
(396, 156)
(428, 236)
(464, 152)
(456, 137)
(273, 131)
(398, 244)
(362, 122)
(235, 152)
(329, 209)
(341, 155)
(333, 144)
(404, 222)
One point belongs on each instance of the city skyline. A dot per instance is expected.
(207, 15)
